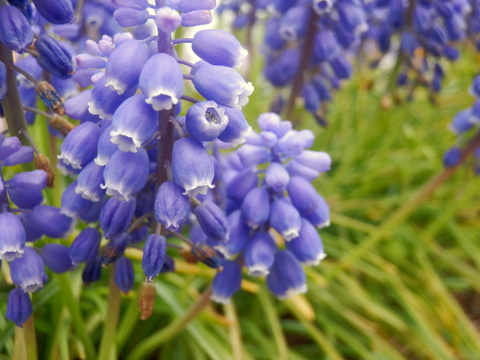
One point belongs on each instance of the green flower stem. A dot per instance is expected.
(128, 321)
(72, 304)
(26, 341)
(401, 213)
(30, 338)
(12, 105)
(152, 342)
(272, 318)
(316, 334)
(234, 331)
(107, 343)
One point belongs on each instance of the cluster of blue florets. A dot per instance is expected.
(312, 40)
(273, 210)
(463, 125)
(428, 31)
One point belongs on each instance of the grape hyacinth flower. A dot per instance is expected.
(273, 218)
(465, 125)
(140, 158)
(313, 38)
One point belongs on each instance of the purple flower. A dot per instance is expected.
(260, 254)
(126, 173)
(192, 166)
(116, 216)
(227, 282)
(85, 246)
(161, 80)
(286, 277)
(19, 306)
(88, 182)
(256, 207)
(28, 272)
(124, 66)
(218, 47)
(56, 258)
(51, 221)
(307, 246)
(154, 254)
(12, 237)
(15, 31)
(205, 120)
(223, 85)
(172, 207)
(54, 57)
(56, 11)
(285, 219)
(133, 124)
(212, 220)
(80, 146)
(124, 274)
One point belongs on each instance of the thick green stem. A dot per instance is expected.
(402, 213)
(152, 342)
(72, 304)
(113, 309)
(12, 105)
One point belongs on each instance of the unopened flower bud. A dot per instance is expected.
(19, 306)
(54, 57)
(56, 11)
(226, 282)
(207, 255)
(172, 207)
(153, 256)
(15, 30)
(124, 274)
(50, 97)
(115, 248)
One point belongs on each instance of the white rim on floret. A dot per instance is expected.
(258, 270)
(115, 85)
(64, 169)
(85, 193)
(220, 299)
(290, 234)
(323, 224)
(126, 140)
(301, 289)
(10, 253)
(68, 213)
(32, 287)
(243, 97)
(92, 109)
(69, 160)
(161, 99)
(315, 261)
(114, 190)
(224, 250)
(197, 189)
(241, 139)
(101, 160)
(241, 56)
